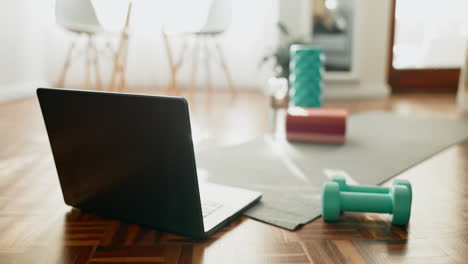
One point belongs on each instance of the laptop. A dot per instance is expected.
(130, 157)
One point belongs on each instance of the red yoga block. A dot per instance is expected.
(316, 125)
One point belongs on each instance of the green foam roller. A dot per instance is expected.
(306, 76)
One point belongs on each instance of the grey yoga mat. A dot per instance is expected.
(379, 145)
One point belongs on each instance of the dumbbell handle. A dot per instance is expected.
(365, 189)
(366, 202)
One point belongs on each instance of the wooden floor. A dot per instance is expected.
(37, 227)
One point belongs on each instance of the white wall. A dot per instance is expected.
(21, 48)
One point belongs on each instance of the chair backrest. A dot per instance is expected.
(219, 16)
(73, 14)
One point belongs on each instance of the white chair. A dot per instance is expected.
(217, 20)
(79, 17)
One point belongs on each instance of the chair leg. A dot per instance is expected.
(196, 49)
(173, 88)
(66, 65)
(114, 74)
(88, 63)
(209, 87)
(125, 38)
(224, 66)
(115, 71)
(97, 72)
(123, 67)
(118, 81)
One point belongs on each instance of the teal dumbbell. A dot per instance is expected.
(337, 197)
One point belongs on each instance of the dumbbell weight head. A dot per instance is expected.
(341, 180)
(404, 183)
(401, 195)
(331, 201)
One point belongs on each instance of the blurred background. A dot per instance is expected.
(372, 48)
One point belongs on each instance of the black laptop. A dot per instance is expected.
(131, 157)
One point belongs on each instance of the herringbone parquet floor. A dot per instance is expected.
(37, 227)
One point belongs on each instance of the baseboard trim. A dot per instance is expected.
(356, 92)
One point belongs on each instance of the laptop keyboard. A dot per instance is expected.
(209, 207)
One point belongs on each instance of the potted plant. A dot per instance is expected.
(281, 55)
(278, 86)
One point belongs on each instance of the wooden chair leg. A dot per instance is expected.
(118, 81)
(173, 88)
(115, 72)
(120, 56)
(66, 65)
(209, 87)
(196, 52)
(116, 67)
(88, 63)
(225, 67)
(123, 67)
(125, 38)
(97, 72)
